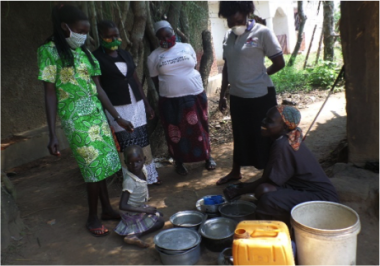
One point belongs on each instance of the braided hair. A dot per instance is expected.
(68, 14)
(105, 25)
(229, 8)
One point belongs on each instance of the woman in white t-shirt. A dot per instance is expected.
(182, 102)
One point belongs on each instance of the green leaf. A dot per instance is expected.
(81, 93)
(97, 121)
(71, 106)
(94, 164)
(78, 138)
(86, 124)
(98, 172)
(88, 140)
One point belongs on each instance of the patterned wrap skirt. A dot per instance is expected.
(135, 223)
(135, 113)
(185, 123)
(250, 148)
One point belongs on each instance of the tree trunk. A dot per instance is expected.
(149, 29)
(207, 58)
(300, 31)
(319, 48)
(122, 16)
(308, 50)
(173, 14)
(94, 28)
(184, 21)
(137, 35)
(11, 223)
(359, 31)
(328, 30)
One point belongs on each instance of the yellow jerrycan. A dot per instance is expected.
(262, 243)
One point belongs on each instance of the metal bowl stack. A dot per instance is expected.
(178, 246)
(188, 219)
(217, 233)
(211, 210)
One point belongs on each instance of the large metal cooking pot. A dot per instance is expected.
(217, 233)
(189, 257)
(188, 219)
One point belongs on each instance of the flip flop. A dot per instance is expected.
(224, 180)
(210, 164)
(95, 231)
(135, 241)
(181, 169)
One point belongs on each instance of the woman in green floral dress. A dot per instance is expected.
(70, 76)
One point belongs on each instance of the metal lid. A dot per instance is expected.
(177, 239)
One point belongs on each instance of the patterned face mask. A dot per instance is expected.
(76, 39)
(169, 43)
(111, 45)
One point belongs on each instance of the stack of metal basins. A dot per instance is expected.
(178, 246)
(211, 210)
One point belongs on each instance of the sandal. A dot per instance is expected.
(133, 240)
(181, 169)
(101, 231)
(210, 164)
(225, 180)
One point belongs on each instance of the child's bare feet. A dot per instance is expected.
(134, 240)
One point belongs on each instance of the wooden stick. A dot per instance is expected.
(319, 48)
(308, 51)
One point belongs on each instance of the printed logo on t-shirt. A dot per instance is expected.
(252, 41)
(173, 61)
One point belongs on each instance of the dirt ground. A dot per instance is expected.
(53, 204)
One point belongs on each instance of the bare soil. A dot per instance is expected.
(53, 204)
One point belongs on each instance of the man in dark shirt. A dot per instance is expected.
(292, 174)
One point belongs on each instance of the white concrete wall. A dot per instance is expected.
(310, 9)
(218, 30)
(279, 16)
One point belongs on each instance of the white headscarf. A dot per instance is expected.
(161, 24)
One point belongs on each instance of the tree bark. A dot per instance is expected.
(11, 224)
(149, 29)
(207, 57)
(184, 21)
(174, 12)
(94, 28)
(300, 31)
(328, 30)
(122, 23)
(137, 35)
(100, 9)
(359, 31)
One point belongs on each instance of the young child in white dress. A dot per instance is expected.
(137, 218)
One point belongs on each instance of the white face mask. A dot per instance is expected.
(239, 30)
(76, 39)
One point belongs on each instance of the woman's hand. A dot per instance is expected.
(232, 191)
(149, 111)
(150, 210)
(53, 146)
(125, 124)
(223, 104)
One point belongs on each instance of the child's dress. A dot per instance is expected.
(135, 222)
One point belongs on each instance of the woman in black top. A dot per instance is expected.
(120, 82)
(292, 174)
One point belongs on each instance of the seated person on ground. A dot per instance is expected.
(292, 174)
(137, 218)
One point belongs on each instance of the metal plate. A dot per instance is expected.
(177, 239)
